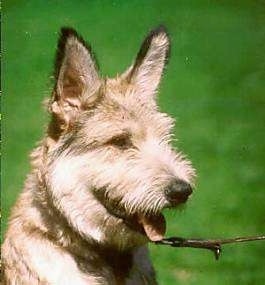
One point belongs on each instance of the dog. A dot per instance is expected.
(101, 175)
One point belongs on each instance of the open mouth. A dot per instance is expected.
(154, 226)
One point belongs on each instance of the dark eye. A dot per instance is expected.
(122, 141)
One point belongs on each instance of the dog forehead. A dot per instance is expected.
(126, 100)
(122, 108)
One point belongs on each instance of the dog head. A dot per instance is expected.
(110, 138)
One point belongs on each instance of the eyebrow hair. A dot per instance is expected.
(72, 146)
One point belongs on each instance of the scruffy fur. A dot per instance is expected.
(106, 159)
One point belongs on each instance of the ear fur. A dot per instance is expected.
(151, 59)
(76, 75)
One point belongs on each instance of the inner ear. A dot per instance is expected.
(149, 64)
(70, 86)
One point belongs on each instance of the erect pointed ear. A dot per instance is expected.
(76, 75)
(151, 59)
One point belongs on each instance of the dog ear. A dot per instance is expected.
(151, 59)
(76, 75)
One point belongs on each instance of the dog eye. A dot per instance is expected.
(122, 142)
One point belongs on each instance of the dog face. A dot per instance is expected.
(111, 140)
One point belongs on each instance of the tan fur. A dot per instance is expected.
(105, 160)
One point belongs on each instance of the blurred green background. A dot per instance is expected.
(214, 85)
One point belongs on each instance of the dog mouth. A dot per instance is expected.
(154, 226)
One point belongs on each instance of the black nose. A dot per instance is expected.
(178, 191)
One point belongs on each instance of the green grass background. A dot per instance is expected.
(215, 86)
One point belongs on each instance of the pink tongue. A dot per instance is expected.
(154, 226)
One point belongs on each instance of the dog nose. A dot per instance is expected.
(178, 191)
